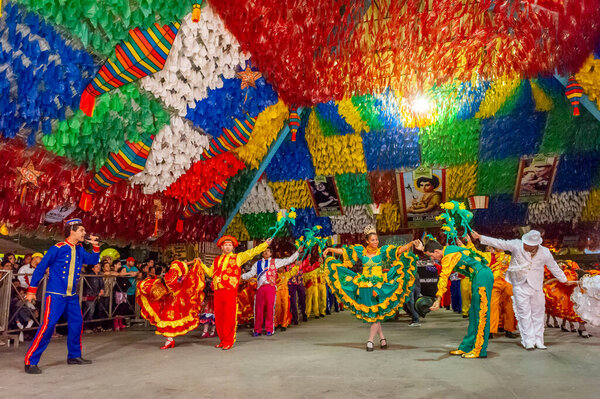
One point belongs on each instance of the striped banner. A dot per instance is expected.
(130, 160)
(210, 198)
(232, 138)
(144, 53)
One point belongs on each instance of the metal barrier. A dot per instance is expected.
(14, 309)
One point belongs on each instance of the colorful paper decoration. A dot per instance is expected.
(210, 198)
(574, 92)
(232, 138)
(479, 202)
(143, 54)
(294, 122)
(158, 215)
(130, 160)
(248, 77)
(29, 175)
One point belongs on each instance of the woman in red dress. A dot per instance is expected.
(172, 304)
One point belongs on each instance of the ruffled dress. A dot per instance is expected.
(558, 295)
(586, 298)
(372, 295)
(173, 305)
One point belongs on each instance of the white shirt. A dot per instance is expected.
(523, 267)
(263, 277)
(23, 270)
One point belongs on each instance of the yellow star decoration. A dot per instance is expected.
(29, 174)
(248, 77)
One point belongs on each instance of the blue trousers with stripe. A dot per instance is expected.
(56, 306)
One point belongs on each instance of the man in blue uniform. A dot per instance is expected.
(64, 261)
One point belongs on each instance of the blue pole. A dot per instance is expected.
(283, 133)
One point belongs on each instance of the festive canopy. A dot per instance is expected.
(257, 97)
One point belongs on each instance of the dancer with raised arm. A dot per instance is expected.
(372, 296)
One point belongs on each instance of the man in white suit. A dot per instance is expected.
(526, 274)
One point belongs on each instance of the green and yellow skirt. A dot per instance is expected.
(373, 295)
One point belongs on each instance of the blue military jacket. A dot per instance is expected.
(64, 261)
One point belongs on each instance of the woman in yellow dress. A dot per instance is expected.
(372, 295)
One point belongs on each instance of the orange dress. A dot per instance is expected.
(245, 303)
(283, 312)
(173, 306)
(558, 295)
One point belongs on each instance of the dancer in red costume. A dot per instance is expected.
(225, 272)
(245, 303)
(171, 304)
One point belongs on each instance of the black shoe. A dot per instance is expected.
(328, 312)
(371, 347)
(32, 369)
(295, 323)
(500, 329)
(510, 334)
(337, 311)
(78, 360)
(323, 316)
(491, 336)
(381, 344)
(282, 328)
(304, 318)
(465, 316)
(316, 317)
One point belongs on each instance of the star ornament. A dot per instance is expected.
(248, 77)
(29, 174)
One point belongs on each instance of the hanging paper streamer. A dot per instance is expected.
(497, 177)
(283, 218)
(232, 138)
(144, 53)
(236, 189)
(202, 55)
(589, 77)
(258, 225)
(392, 149)
(515, 135)
(574, 92)
(560, 207)
(576, 172)
(294, 122)
(351, 115)
(591, 212)
(158, 215)
(266, 130)
(91, 140)
(28, 176)
(519, 102)
(330, 120)
(237, 229)
(542, 101)
(290, 194)
(500, 90)
(353, 189)
(202, 176)
(389, 219)
(452, 143)
(260, 199)
(461, 180)
(213, 196)
(176, 147)
(40, 74)
(130, 160)
(479, 202)
(353, 221)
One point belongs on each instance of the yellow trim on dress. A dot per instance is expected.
(483, 308)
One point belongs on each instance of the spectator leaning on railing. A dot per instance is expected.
(26, 271)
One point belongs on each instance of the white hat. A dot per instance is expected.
(532, 238)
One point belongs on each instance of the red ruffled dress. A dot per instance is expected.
(558, 295)
(245, 303)
(173, 306)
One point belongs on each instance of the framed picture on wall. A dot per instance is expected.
(535, 178)
(324, 193)
(421, 192)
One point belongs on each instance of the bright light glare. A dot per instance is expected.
(420, 105)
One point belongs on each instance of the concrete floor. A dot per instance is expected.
(318, 359)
